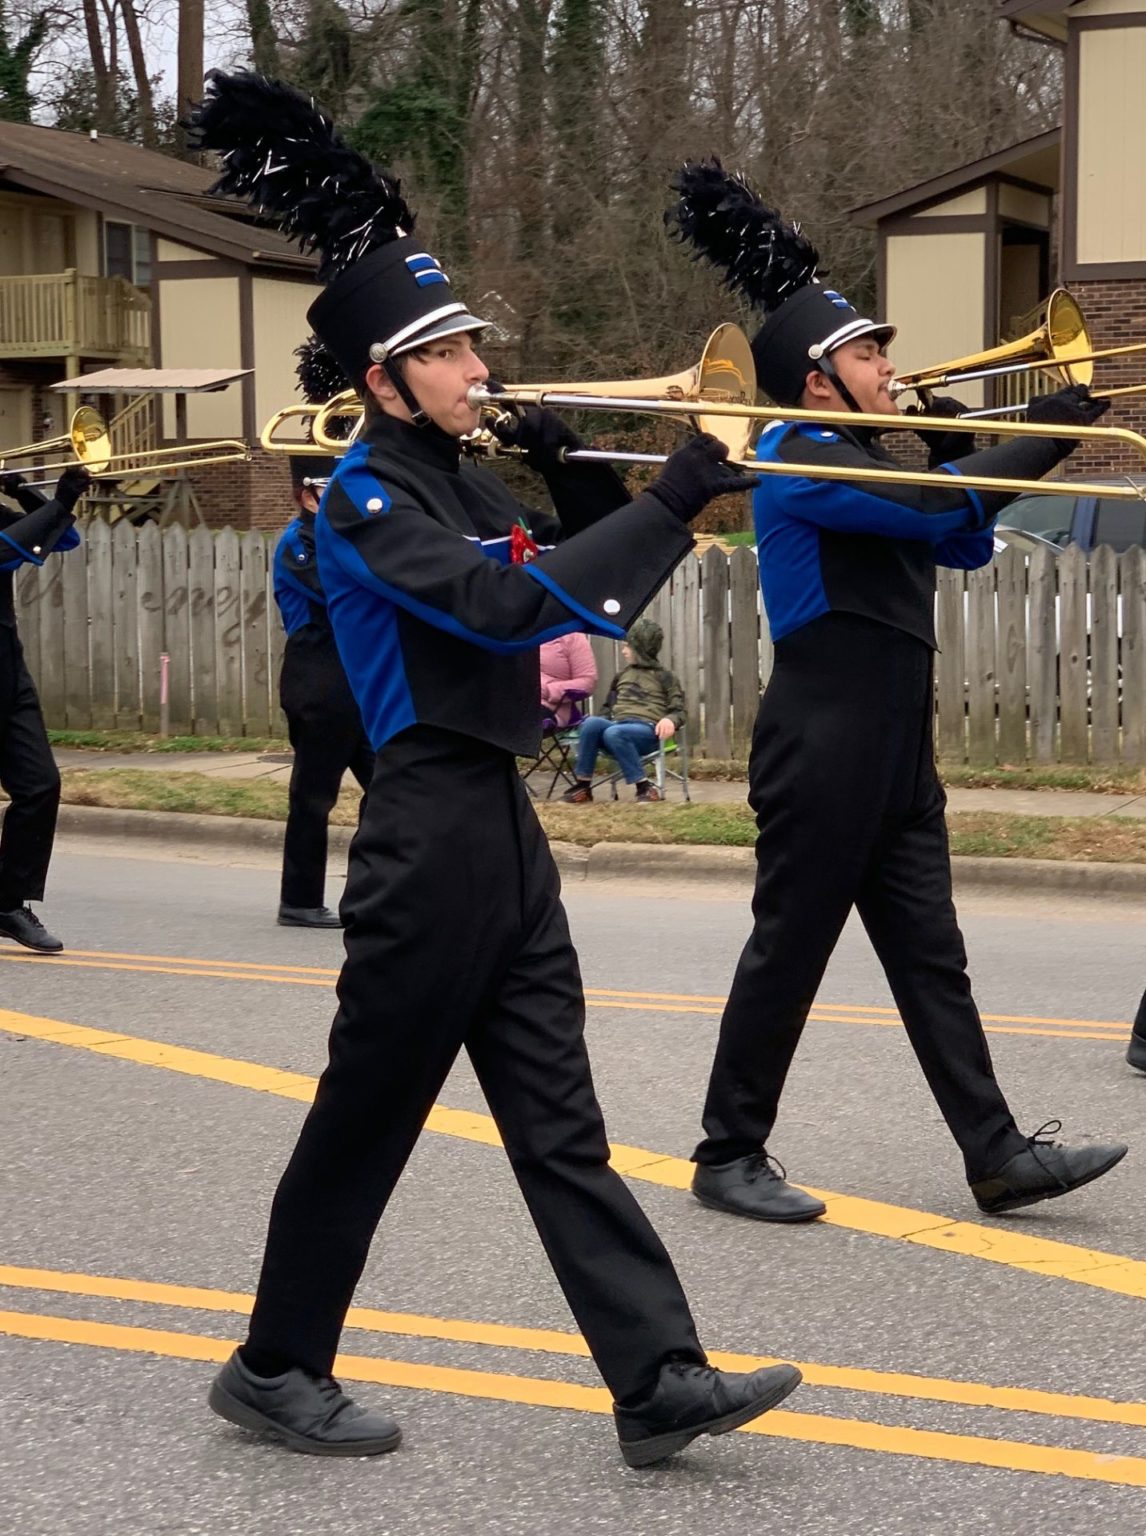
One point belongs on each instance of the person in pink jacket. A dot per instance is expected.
(566, 664)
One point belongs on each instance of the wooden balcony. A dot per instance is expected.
(71, 315)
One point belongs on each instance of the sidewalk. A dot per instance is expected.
(276, 766)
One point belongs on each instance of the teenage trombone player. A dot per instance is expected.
(842, 772)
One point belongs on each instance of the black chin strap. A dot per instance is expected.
(405, 393)
(828, 369)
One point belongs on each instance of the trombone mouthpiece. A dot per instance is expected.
(895, 389)
(478, 395)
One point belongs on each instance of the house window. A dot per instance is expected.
(127, 252)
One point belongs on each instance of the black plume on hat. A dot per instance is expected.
(319, 373)
(763, 257)
(282, 155)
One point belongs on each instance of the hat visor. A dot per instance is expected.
(857, 329)
(451, 325)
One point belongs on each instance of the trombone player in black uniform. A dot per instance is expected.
(842, 771)
(28, 771)
(323, 718)
(455, 933)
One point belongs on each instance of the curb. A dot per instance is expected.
(603, 861)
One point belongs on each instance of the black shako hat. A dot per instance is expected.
(772, 264)
(385, 294)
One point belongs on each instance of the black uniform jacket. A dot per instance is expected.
(433, 624)
(28, 538)
(871, 548)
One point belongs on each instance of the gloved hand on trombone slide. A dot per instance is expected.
(697, 473)
(539, 435)
(71, 486)
(942, 447)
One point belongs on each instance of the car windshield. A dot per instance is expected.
(1048, 516)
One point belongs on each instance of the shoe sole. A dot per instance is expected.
(1136, 1054)
(37, 949)
(293, 922)
(1019, 1203)
(246, 1417)
(643, 1453)
(735, 1210)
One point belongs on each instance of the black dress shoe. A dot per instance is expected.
(1045, 1169)
(1136, 1051)
(751, 1186)
(308, 1413)
(25, 927)
(308, 917)
(692, 1400)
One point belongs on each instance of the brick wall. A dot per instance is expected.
(252, 495)
(1115, 311)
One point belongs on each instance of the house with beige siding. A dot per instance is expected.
(115, 256)
(1065, 208)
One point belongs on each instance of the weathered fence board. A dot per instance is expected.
(1072, 661)
(1011, 655)
(1104, 656)
(1132, 576)
(101, 625)
(1042, 666)
(1041, 658)
(744, 591)
(717, 655)
(950, 670)
(177, 630)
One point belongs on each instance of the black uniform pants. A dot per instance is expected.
(851, 813)
(328, 737)
(30, 778)
(456, 937)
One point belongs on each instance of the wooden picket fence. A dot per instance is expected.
(1041, 659)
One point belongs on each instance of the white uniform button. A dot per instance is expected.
(36, 549)
(374, 504)
(611, 605)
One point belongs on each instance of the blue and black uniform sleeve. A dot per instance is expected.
(379, 538)
(297, 586)
(911, 511)
(28, 538)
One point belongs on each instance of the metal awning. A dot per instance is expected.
(146, 381)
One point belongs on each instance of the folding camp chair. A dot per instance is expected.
(558, 745)
(674, 750)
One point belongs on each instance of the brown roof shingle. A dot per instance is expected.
(143, 187)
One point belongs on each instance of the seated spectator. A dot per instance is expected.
(567, 666)
(644, 705)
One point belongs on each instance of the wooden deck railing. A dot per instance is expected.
(70, 314)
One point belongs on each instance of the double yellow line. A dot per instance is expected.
(540, 1391)
(612, 998)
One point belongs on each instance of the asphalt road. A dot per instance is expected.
(135, 1182)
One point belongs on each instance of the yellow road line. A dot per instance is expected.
(617, 1000)
(994, 1244)
(533, 1391)
(936, 1389)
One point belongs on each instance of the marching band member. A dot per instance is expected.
(28, 771)
(455, 932)
(323, 718)
(842, 773)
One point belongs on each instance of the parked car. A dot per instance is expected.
(1026, 543)
(1083, 520)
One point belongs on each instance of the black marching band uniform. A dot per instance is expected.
(842, 773)
(28, 771)
(323, 719)
(455, 933)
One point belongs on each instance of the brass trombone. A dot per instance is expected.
(703, 402)
(1060, 345)
(318, 419)
(90, 440)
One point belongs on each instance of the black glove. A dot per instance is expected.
(1071, 406)
(10, 484)
(540, 435)
(71, 486)
(941, 446)
(695, 474)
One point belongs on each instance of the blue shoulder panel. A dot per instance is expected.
(791, 580)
